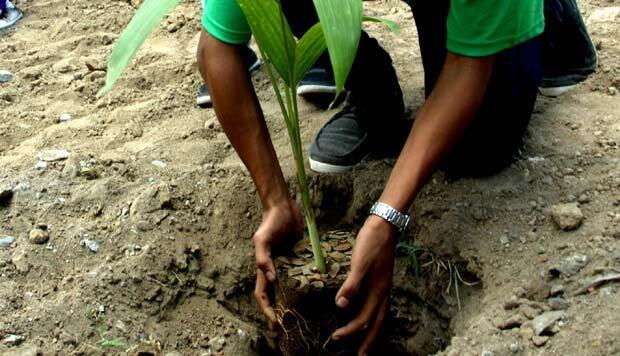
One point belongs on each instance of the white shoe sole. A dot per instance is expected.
(315, 89)
(321, 167)
(555, 91)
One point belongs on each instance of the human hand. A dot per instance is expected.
(282, 223)
(370, 281)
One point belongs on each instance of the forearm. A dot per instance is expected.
(439, 124)
(238, 111)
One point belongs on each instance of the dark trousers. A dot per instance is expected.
(2, 6)
(495, 135)
(489, 144)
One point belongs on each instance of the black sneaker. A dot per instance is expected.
(204, 98)
(353, 134)
(316, 81)
(341, 144)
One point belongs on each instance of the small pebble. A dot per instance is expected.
(40, 165)
(92, 245)
(6, 241)
(5, 76)
(159, 164)
(64, 117)
(38, 236)
(540, 340)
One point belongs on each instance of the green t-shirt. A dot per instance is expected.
(478, 28)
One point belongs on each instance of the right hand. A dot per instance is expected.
(281, 225)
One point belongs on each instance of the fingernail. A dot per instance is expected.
(342, 302)
(270, 276)
(335, 337)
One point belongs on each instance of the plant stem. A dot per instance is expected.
(291, 118)
(302, 179)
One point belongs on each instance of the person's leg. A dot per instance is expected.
(495, 136)
(2, 6)
(372, 120)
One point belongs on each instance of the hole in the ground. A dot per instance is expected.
(429, 289)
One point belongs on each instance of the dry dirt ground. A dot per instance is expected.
(129, 225)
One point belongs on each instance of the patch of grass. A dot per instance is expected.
(438, 266)
(412, 251)
(105, 342)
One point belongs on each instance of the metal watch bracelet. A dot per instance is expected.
(391, 215)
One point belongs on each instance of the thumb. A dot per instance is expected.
(349, 288)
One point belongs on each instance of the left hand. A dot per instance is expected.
(370, 280)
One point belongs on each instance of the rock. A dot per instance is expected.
(152, 199)
(514, 348)
(53, 155)
(540, 340)
(159, 164)
(570, 266)
(173, 353)
(604, 14)
(556, 290)
(206, 284)
(545, 321)
(6, 241)
(504, 240)
(593, 282)
(514, 321)
(528, 311)
(92, 245)
(557, 303)
(12, 340)
(20, 261)
(487, 353)
(38, 236)
(566, 216)
(612, 91)
(40, 165)
(120, 325)
(5, 76)
(217, 343)
(64, 117)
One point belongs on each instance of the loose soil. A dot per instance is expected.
(143, 234)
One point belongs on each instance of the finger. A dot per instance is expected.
(349, 288)
(262, 296)
(264, 261)
(361, 322)
(376, 327)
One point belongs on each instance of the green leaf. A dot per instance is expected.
(272, 33)
(393, 26)
(148, 16)
(309, 49)
(342, 25)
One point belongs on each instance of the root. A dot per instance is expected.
(300, 326)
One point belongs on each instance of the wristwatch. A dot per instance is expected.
(391, 215)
